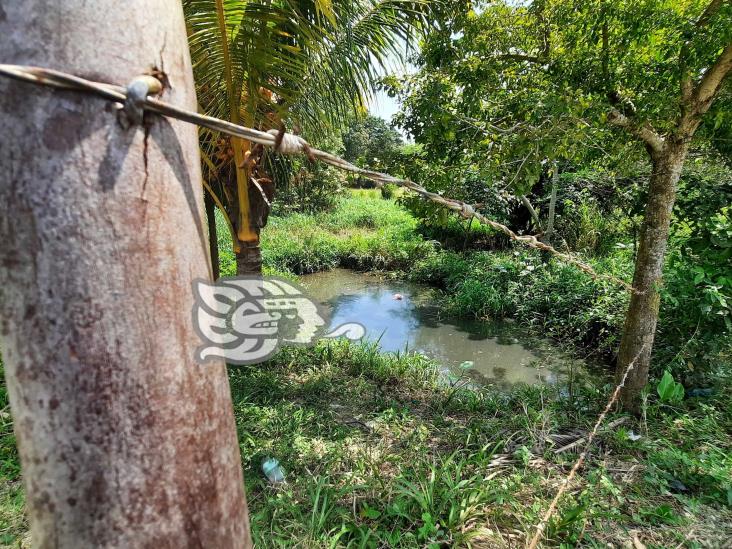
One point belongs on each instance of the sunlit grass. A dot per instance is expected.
(364, 231)
(378, 453)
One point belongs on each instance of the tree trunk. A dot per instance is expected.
(124, 440)
(640, 321)
(552, 203)
(213, 237)
(249, 259)
(534, 216)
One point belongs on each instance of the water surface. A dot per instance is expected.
(501, 353)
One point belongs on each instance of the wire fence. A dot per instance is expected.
(534, 542)
(131, 98)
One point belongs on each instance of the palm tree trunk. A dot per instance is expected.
(124, 440)
(642, 315)
(249, 258)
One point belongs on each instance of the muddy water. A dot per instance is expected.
(404, 316)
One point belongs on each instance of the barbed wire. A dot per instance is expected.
(282, 142)
(583, 455)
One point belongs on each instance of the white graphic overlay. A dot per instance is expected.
(245, 319)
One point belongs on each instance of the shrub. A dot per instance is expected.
(388, 190)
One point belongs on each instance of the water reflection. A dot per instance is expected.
(500, 353)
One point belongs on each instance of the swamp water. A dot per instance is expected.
(404, 316)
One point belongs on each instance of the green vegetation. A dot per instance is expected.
(377, 453)
(507, 95)
(365, 232)
(554, 298)
(283, 63)
(370, 141)
(362, 232)
(566, 304)
(13, 524)
(604, 129)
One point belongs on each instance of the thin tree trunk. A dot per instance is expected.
(249, 257)
(534, 216)
(213, 237)
(552, 203)
(124, 440)
(642, 316)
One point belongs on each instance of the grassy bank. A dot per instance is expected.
(378, 454)
(366, 232)
(362, 232)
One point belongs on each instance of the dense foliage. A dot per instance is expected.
(507, 94)
(369, 141)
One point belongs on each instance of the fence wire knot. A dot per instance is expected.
(137, 91)
(289, 143)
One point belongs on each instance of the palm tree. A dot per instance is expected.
(274, 63)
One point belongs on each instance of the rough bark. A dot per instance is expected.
(124, 440)
(249, 259)
(642, 316)
(213, 239)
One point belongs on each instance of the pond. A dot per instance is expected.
(404, 316)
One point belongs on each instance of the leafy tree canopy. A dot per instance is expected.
(370, 140)
(506, 86)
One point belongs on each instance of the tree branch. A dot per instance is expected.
(534, 216)
(710, 83)
(693, 98)
(644, 132)
(710, 12)
(702, 95)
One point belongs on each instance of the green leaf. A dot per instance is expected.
(370, 513)
(668, 390)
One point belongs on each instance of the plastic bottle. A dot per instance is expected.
(273, 471)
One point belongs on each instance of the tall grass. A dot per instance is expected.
(363, 231)
(553, 298)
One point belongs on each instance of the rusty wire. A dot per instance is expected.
(292, 145)
(583, 455)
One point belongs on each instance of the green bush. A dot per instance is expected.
(388, 190)
(553, 297)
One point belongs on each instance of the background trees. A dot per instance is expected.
(369, 141)
(507, 89)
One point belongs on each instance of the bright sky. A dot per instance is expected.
(384, 106)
